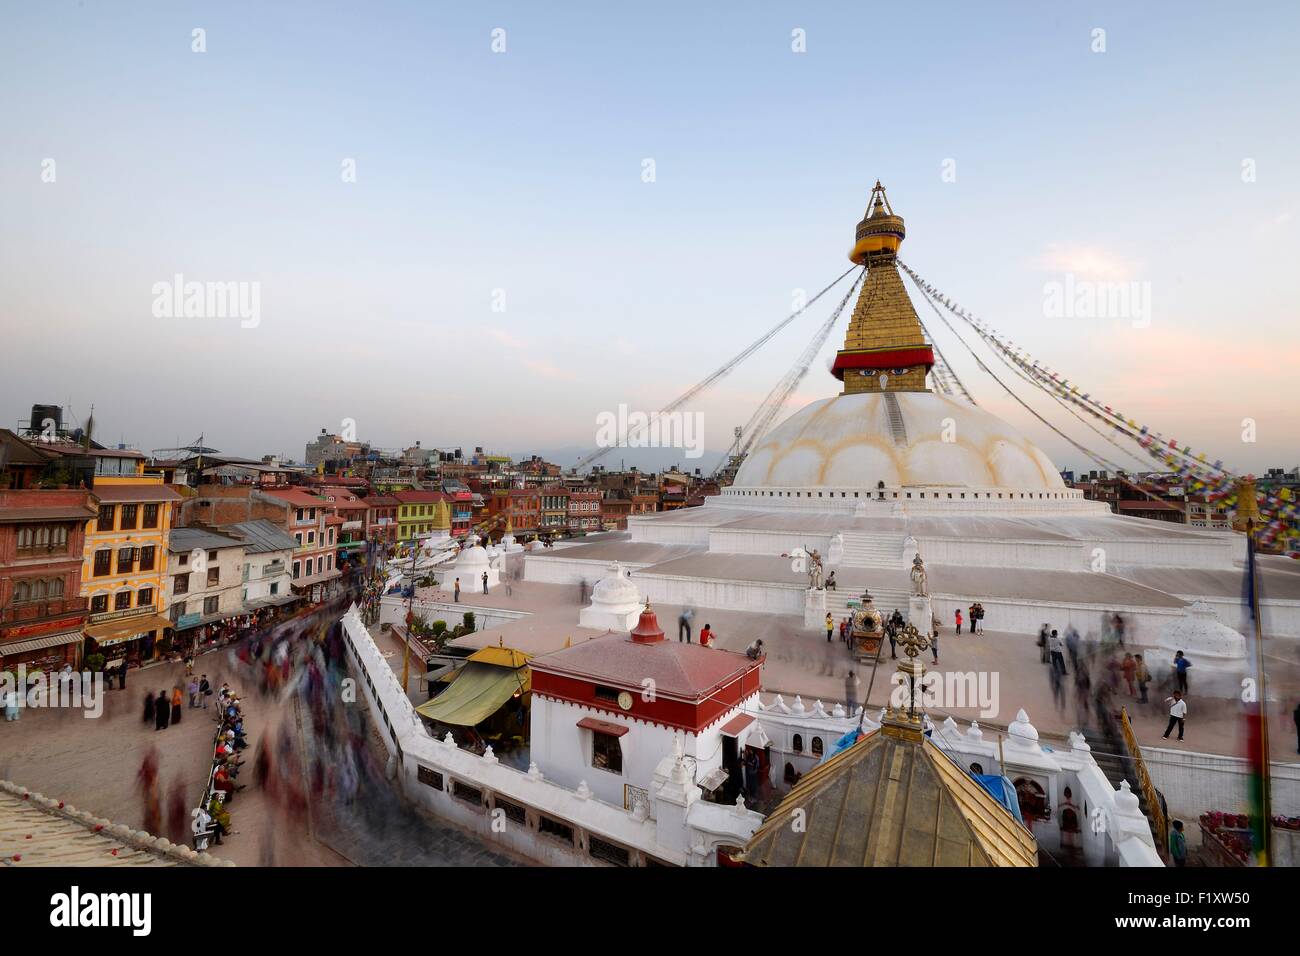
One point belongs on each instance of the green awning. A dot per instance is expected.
(476, 694)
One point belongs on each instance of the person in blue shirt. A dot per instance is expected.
(1181, 664)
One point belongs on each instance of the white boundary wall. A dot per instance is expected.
(469, 789)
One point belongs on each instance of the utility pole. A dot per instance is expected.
(410, 617)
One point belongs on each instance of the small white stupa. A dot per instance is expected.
(1216, 652)
(469, 566)
(615, 602)
(508, 543)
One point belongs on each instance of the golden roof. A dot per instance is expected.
(891, 799)
(442, 515)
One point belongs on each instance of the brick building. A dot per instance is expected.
(42, 612)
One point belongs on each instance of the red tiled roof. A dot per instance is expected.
(299, 499)
(735, 725)
(122, 494)
(685, 671)
(64, 513)
(419, 497)
(382, 501)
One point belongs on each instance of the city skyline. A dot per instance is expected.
(500, 273)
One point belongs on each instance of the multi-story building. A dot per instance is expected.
(584, 511)
(326, 447)
(554, 517)
(381, 520)
(124, 563)
(462, 511)
(268, 561)
(42, 612)
(351, 510)
(204, 582)
(521, 508)
(314, 528)
(305, 517)
(416, 512)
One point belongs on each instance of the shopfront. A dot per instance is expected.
(130, 639)
(48, 652)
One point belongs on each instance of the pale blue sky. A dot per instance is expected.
(521, 171)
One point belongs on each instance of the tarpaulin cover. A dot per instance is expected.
(477, 693)
(845, 742)
(1002, 790)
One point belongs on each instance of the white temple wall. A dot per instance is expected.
(1195, 783)
(757, 596)
(1026, 617)
(426, 771)
(976, 552)
(665, 532)
(1280, 618)
(749, 541)
(914, 500)
(1218, 552)
(392, 610)
(561, 570)
(558, 744)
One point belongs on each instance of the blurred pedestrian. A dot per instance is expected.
(176, 705)
(149, 702)
(161, 711)
(1129, 668)
(1143, 677)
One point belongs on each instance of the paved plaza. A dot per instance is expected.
(92, 764)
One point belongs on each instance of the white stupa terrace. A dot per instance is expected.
(889, 468)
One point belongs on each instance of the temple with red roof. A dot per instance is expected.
(606, 711)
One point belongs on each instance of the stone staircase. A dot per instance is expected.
(1117, 764)
(872, 550)
(885, 599)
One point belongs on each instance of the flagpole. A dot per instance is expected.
(1266, 799)
(1247, 520)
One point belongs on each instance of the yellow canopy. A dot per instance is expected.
(477, 693)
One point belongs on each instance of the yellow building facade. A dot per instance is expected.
(124, 567)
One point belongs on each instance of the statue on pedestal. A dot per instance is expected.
(919, 586)
(815, 570)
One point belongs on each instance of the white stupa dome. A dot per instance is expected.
(616, 603)
(1200, 633)
(616, 590)
(1217, 653)
(472, 557)
(849, 442)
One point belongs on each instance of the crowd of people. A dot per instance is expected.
(1101, 672)
(211, 821)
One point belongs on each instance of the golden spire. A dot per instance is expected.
(884, 349)
(1247, 516)
(913, 643)
(442, 516)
